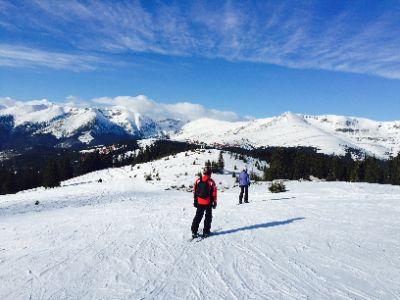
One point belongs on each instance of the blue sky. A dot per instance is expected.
(256, 58)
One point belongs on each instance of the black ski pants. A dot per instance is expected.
(244, 189)
(199, 215)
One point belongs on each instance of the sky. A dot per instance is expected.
(252, 58)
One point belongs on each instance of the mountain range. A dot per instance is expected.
(40, 122)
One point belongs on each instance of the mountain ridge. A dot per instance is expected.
(330, 134)
(66, 125)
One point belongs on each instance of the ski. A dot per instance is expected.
(194, 238)
(200, 237)
(204, 237)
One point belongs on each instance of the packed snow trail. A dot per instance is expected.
(124, 241)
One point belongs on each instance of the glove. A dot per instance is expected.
(249, 183)
(195, 203)
(214, 206)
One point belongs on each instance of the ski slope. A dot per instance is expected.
(125, 238)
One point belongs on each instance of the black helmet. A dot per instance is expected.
(207, 171)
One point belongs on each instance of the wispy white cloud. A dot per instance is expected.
(185, 111)
(290, 34)
(19, 56)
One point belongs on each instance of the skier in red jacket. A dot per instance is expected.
(205, 199)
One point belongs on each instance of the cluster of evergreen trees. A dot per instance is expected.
(55, 172)
(216, 166)
(160, 149)
(15, 177)
(13, 180)
(301, 163)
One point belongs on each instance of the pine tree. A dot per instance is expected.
(8, 185)
(394, 170)
(254, 176)
(333, 174)
(373, 172)
(29, 178)
(208, 165)
(214, 167)
(147, 154)
(92, 162)
(2, 176)
(354, 174)
(276, 168)
(300, 166)
(221, 163)
(319, 167)
(66, 171)
(51, 174)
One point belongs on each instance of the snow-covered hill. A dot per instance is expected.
(127, 238)
(177, 171)
(330, 134)
(66, 125)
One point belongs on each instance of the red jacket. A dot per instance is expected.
(213, 188)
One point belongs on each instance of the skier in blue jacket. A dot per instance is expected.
(244, 183)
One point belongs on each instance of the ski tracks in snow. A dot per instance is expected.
(318, 244)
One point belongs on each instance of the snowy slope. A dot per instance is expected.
(126, 238)
(330, 134)
(175, 171)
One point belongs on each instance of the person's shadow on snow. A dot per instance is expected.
(258, 226)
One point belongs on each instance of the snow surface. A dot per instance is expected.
(126, 238)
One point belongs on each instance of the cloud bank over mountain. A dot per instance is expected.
(185, 111)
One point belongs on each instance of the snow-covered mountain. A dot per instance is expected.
(330, 134)
(43, 122)
(66, 125)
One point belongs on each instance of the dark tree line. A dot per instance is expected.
(15, 177)
(160, 149)
(284, 163)
(302, 162)
(13, 180)
(332, 168)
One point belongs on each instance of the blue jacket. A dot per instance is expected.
(244, 179)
